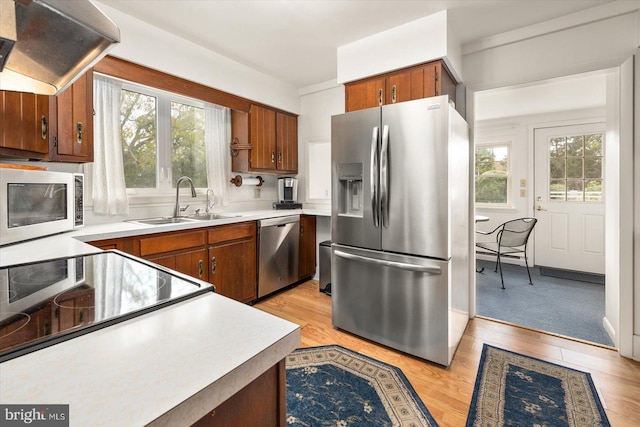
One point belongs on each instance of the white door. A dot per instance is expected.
(569, 197)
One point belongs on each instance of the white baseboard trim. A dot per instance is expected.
(636, 348)
(608, 328)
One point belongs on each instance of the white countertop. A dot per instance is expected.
(169, 367)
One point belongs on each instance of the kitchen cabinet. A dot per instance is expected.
(287, 143)
(232, 260)
(73, 140)
(363, 94)
(264, 140)
(24, 124)
(422, 81)
(191, 263)
(14, 332)
(56, 128)
(73, 308)
(307, 256)
(262, 402)
(124, 244)
(182, 251)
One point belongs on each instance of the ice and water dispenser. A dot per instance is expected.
(350, 198)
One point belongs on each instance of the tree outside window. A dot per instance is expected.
(492, 175)
(162, 139)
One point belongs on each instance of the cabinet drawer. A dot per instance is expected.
(223, 233)
(171, 242)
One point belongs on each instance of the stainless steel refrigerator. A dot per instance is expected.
(400, 226)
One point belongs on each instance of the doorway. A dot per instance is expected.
(569, 198)
(531, 117)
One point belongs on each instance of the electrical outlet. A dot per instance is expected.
(523, 183)
(256, 193)
(523, 192)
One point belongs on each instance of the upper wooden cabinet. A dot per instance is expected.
(73, 141)
(264, 140)
(24, 124)
(287, 143)
(57, 128)
(422, 81)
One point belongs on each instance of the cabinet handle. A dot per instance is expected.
(44, 127)
(393, 93)
(79, 133)
(200, 269)
(280, 157)
(213, 265)
(81, 319)
(380, 95)
(301, 230)
(273, 157)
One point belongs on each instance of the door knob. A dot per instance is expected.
(540, 208)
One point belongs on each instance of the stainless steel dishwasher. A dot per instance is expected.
(278, 243)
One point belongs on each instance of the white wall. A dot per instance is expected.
(317, 105)
(155, 48)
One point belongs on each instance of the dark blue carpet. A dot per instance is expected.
(561, 306)
(334, 386)
(516, 390)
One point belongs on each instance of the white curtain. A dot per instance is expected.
(217, 139)
(109, 190)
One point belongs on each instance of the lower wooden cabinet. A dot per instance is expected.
(307, 256)
(261, 403)
(191, 263)
(232, 260)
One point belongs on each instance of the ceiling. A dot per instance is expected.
(296, 40)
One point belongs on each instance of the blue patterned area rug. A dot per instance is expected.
(516, 390)
(333, 386)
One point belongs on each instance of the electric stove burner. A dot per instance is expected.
(17, 322)
(47, 302)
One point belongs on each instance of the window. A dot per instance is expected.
(575, 168)
(163, 138)
(492, 174)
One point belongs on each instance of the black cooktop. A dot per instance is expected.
(47, 302)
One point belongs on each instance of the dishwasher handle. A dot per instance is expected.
(429, 269)
(283, 220)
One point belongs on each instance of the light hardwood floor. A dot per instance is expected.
(447, 392)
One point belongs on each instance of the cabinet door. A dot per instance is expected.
(307, 266)
(24, 124)
(399, 87)
(287, 142)
(263, 138)
(364, 94)
(232, 260)
(74, 139)
(191, 263)
(74, 308)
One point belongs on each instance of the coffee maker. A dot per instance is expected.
(287, 194)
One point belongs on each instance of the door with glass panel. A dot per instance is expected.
(569, 197)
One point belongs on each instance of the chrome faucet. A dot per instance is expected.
(210, 201)
(193, 194)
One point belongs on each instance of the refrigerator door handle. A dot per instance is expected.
(384, 177)
(435, 270)
(374, 176)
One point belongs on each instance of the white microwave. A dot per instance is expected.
(37, 203)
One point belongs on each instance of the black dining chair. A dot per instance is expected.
(511, 238)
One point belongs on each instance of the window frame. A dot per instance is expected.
(163, 133)
(494, 144)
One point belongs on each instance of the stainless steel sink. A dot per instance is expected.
(212, 216)
(163, 220)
